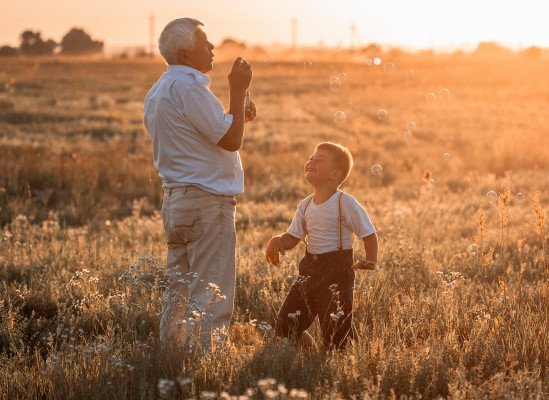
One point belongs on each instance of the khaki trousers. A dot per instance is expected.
(201, 235)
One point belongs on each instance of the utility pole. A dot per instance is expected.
(354, 44)
(151, 36)
(294, 34)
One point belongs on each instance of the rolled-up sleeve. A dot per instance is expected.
(205, 112)
(357, 219)
(297, 227)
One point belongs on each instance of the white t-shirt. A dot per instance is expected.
(186, 121)
(320, 223)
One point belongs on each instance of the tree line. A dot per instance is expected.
(75, 42)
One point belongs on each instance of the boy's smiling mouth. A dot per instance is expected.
(309, 170)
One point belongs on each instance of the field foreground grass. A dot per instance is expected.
(458, 308)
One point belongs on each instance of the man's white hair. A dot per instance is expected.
(178, 34)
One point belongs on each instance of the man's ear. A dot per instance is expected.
(182, 57)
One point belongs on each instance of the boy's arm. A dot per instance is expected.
(279, 244)
(370, 247)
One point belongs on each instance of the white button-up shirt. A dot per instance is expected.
(186, 121)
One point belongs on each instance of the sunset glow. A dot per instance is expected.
(435, 24)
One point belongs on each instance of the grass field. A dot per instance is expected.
(458, 309)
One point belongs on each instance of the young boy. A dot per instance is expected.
(330, 219)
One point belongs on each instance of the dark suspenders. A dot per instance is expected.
(340, 218)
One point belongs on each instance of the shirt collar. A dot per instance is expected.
(188, 70)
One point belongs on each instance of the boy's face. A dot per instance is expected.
(320, 168)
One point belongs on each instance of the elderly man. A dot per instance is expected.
(195, 145)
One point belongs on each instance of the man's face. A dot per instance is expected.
(201, 57)
(320, 167)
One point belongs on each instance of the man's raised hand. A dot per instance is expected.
(240, 75)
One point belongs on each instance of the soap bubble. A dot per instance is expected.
(520, 197)
(410, 73)
(407, 135)
(307, 64)
(376, 169)
(411, 126)
(472, 249)
(389, 67)
(446, 156)
(491, 196)
(443, 94)
(377, 61)
(339, 117)
(335, 85)
(430, 98)
(382, 115)
(432, 182)
(369, 61)
(333, 79)
(268, 58)
(342, 77)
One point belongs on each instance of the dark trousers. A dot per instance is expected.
(324, 287)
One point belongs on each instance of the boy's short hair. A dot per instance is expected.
(343, 158)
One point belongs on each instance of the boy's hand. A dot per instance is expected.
(365, 264)
(274, 247)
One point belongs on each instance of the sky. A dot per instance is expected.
(411, 24)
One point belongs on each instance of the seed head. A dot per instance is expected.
(539, 213)
(427, 176)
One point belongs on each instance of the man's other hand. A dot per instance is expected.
(252, 112)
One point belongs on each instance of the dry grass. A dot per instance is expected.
(82, 255)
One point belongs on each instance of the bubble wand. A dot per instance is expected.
(247, 104)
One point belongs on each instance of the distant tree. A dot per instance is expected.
(372, 50)
(258, 49)
(7, 51)
(394, 53)
(232, 44)
(491, 49)
(33, 45)
(76, 41)
(142, 53)
(532, 52)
